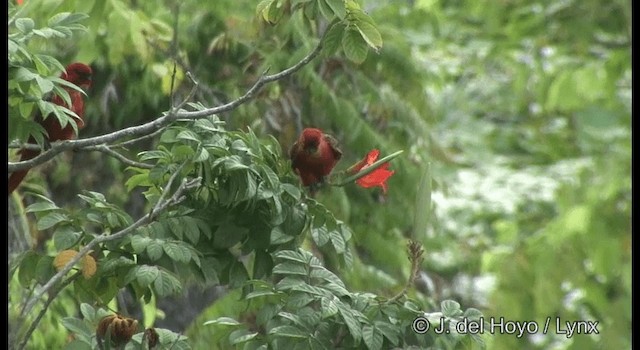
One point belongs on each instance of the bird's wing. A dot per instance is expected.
(292, 153)
(337, 153)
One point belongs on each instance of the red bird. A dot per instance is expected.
(313, 156)
(80, 75)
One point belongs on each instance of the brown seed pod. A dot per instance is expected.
(120, 328)
(152, 337)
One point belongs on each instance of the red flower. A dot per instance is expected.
(378, 177)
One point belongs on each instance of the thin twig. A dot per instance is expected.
(165, 192)
(165, 120)
(46, 305)
(191, 93)
(415, 251)
(107, 150)
(124, 144)
(105, 237)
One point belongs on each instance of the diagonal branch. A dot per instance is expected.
(176, 198)
(166, 119)
(108, 151)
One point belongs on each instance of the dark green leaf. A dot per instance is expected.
(290, 268)
(349, 319)
(41, 206)
(450, 308)
(45, 269)
(329, 307)
(241, 336)
(354, 45)
(27, 271)
(289, 332)
(154, 249)
(166, 284)
(51, 220)
(177, 252)
(65, 237)
(372, 337)
(224, 321)
(292, 255)
(25, 25)
(145, 274)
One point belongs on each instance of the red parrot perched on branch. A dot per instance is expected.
(78, 74)
(313, 156)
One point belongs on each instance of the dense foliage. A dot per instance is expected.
(511, 199)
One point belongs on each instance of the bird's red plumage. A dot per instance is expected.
(314, 156)
(80, 75)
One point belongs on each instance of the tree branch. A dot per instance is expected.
(107, 150)
(177, 197)
(166, 119)
(50, 299)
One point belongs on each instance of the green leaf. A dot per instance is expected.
(326, 275)
(51, 220)
(229, 234)
(177, 252)
(166, 284)
(262, 264)
(337, 6)
(154, 249)
(45, 269)
(311, 290)
(367, 29)
(140, 243)
(188, 135)
(290, 268)
(223, 321)
(78, 327)
(262, 7)
(41, 206)
(260, 293)
(289, 332)
(145, 274)
(278, 236)
(292, 255)
(241, 336)
(338, 241)
(66, 18)
(88, 312)
(389, 331)
(450, 308)
(320, 235)
(25, 25)
(472, 314)
(372, 337)
(333, 39)
(354, 45)
(354, 326)
(329, 306)
(336, 289)
(23, 74)
(238, 274)
(191, 229)
(77, 344)
(325, 9)
(65, 237)
(27, 271)
(288, 283)
(44, 85)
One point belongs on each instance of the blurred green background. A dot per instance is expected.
(515, 119)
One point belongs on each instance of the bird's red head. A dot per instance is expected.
(311, 137)
(78, 74)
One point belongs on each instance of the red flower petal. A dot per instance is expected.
(375, 178)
